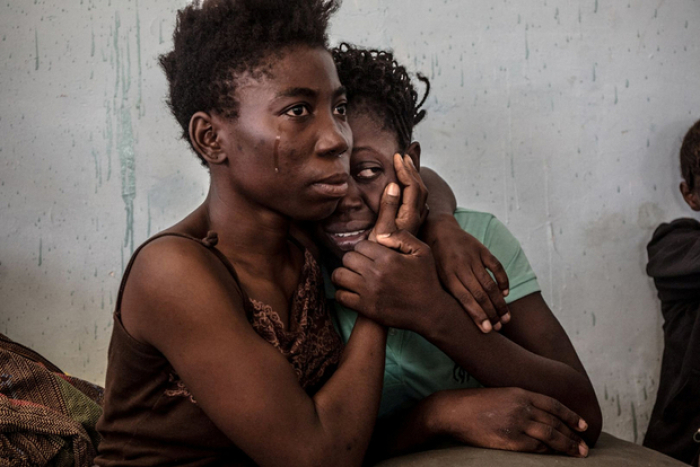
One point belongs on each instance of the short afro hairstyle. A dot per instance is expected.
(374, 78)
(215, 41)
(690, 155)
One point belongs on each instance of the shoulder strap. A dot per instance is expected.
(209, 242)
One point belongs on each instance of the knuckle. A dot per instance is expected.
(557, 407)
(549, 433)
(479, 296)
(556, 424)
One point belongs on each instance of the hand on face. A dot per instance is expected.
(397, 212)
(511, 419)
(414, 208)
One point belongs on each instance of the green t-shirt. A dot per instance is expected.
(415, 368)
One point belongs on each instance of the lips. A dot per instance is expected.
(346, 236)
(335, 186)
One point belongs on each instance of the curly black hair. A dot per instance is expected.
(215, 41)
(690, 155)
(374, 78)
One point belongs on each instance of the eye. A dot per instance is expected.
(341, 109)
(368, 173)
(300, 110)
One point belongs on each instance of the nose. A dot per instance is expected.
(351, 201)
(334, 137)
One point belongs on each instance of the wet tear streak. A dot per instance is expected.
(276, 154)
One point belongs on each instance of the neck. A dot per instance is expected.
(249, 234)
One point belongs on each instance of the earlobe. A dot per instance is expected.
(204, 138)
(413, 151)
(690, 196)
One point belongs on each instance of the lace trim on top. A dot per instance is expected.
(311, 343)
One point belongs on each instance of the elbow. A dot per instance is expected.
(594, 418)
(594, 428)
(323, 456)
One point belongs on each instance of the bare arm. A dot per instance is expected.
(442, 198)
(182, 300)
(402, 290)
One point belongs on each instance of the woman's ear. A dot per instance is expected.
(690, 196)
(413, 151)
(205, 139)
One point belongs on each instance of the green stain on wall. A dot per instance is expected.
(109, 137)
(98, 168)
(139, 105)
(36, 46)
(634, 422)
(125, 141)
(41, 247)
(117, 24)
(127, 160)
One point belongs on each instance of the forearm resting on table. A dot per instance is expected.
(496, 361)
(406, 431)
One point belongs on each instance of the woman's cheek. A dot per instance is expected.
(372, 193)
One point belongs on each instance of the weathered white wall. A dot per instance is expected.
(564, 118)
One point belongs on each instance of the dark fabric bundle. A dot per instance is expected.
(46, 416)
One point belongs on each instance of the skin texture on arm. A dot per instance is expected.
(182, 300)
(401, 289)
(442, 198)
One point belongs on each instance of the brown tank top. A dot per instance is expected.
(150, 418)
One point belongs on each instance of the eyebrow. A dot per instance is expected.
(298, 92)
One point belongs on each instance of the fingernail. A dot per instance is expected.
(505, 318)
(497, 326)
(410, 161)
(583, 426)
(486, 326)
(583, 449)
(506, 292)
(386, 235)
(393, 189)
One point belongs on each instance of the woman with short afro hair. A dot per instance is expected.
(222, 351)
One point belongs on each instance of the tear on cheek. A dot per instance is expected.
(276, 154)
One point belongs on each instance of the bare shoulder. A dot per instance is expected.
(171, 280)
